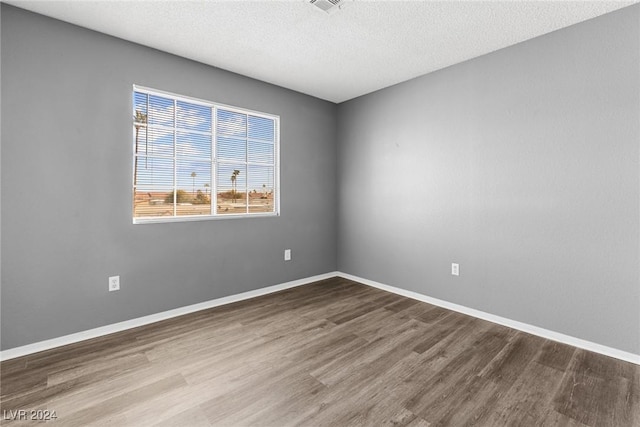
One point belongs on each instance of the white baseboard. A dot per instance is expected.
(534, 330)
(145, 320)
(12, 353)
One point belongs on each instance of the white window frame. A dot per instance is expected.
(214, 215)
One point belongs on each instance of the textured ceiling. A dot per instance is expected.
(365, 46)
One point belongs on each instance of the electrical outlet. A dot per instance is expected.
(455, 269)
(114, 283)
(287, 254)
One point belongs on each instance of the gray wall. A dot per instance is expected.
(66, 186)
(522, 166)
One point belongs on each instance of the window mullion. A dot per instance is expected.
(214, 160)
(246, 165)
(175, 161)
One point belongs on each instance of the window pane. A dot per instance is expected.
(261, 128)
(193, 182)
(153, 142)
(231, 123)
(231, 149)
(140, 107)
(140, 140)
(191, 209)
(152, 172)
(260, 152)
(192, 175)
(193, 117)
(193, 145)
(160, 111)
(261, 188)
(231, 197)
(153, 202)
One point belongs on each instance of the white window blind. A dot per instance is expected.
(195, 159)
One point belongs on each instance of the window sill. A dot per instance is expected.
(156, 220)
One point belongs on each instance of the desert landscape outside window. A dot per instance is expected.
(195, 159)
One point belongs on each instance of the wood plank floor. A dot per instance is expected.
(333, 353)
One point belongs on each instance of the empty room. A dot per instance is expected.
(320, 213)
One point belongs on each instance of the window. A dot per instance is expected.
(188, 153)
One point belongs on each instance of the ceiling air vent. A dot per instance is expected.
(327, 6)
